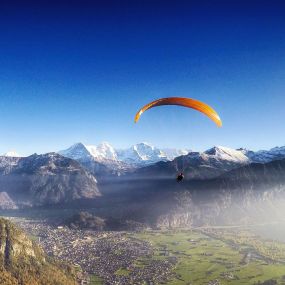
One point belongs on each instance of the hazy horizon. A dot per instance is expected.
(127, 146)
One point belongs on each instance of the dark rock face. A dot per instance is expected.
(104, 170)
(85, 220)
(23, 262)
(256, 176)
(46, 179)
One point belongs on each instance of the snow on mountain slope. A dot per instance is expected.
(102, 151)
(143, 154)
(76, 151)
(197, 165)
(113, 160)
(140, 154)
(11, 153)
(227, 154)
(171, 153)
(264, 156)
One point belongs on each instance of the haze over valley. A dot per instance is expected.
(220, 185)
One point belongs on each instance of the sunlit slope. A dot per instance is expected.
(23, 262)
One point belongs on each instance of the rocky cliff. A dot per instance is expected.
(23, 262)
(44, 179)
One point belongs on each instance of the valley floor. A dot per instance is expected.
(209, 256)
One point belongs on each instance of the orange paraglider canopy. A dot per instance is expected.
(185, 102)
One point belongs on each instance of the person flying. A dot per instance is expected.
(180, 177)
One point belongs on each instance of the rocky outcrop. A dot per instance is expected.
(46, 179)
(23, 262)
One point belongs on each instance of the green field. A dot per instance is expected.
(95, 280)
(202, 258)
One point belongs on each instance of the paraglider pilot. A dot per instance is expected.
(180, 177)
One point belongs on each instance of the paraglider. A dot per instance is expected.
(185, 102)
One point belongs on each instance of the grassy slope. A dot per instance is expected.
(95, 280)
(23, 262)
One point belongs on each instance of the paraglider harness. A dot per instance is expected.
(180, 167)
(180, 177)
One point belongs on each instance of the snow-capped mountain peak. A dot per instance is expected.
(103, 158)
(228, 154)
(103, 151)
(11, 153)
(76, 151)
(263, 156)
(140, 154)
(172, 153)
(147, 151)
(243, 154)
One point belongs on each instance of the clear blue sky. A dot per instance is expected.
(78, 71)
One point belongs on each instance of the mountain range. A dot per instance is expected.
(145, 159)
(83, 173)
(105, 159)
(197, 165)
(11, 153)
(140, 154)
(44, 179)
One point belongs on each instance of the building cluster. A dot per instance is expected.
(113, 256)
